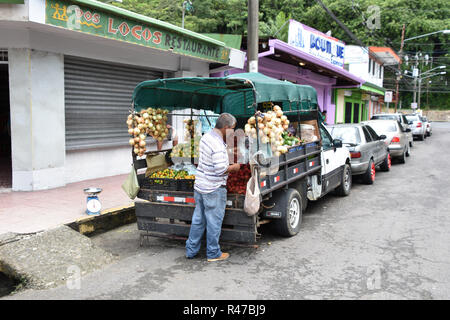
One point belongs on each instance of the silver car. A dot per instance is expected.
(367, 149)
(417, 127)
(400, 117)
(396, 137)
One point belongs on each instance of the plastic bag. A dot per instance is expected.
(155, 163)
(131, 184)
(186, 166)
(252, 200)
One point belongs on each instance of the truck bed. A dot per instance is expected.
(170, 212)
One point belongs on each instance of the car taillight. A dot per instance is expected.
(419, 124)
(355, 154)
(395, 140)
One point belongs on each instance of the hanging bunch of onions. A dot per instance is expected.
(152, 122)
(190, 131)
(270, 125)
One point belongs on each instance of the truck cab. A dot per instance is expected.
(336, 171)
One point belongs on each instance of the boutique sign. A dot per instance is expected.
(316, 43)
(63, 14)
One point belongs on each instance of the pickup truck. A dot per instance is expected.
(306, 173)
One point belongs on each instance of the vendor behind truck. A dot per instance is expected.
(210, 192)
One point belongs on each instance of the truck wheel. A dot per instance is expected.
(346, 182)
(289, 203)
(369, 176)
(387, 162)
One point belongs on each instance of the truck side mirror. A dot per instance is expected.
(382, 137)
(408, 130)
(337, 143)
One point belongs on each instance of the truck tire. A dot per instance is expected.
(369, 176)
(386, 164)
(346, 182)
(289, 203)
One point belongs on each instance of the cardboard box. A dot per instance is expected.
(309, 131)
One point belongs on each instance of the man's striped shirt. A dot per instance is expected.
(213, 163)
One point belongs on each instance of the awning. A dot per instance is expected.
(385, 55)
(235, 94)
(283, 52)
(373, 88)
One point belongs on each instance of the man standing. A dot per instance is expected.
(210, 192)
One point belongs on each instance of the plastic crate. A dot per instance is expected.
(295, 152)
(185, 184)
(296, 170)
(159, 184)
(313, 163)
(274, 180)
(312, 146)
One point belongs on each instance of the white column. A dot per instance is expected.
(37, 119)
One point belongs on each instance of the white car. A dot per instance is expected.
(417, 126)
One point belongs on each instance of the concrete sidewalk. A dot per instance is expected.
(26, 212)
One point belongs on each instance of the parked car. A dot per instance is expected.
(367, 149)
(417, 127)
(400, 117)
(396, 137)
(427, 125)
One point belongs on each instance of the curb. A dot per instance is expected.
(107, 220)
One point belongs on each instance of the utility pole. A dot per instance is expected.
(399, 69)
(252, 35)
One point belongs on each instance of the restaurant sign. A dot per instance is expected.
(316, 43)
(79, 18)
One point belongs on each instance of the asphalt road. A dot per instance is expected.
(390, 240)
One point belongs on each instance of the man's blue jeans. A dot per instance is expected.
(209, 212)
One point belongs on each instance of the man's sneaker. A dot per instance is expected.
(224, 256)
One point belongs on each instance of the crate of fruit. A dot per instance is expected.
(159, 184)
(169, 179)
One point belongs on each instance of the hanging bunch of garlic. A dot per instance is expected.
(271, 126)
(152, 122)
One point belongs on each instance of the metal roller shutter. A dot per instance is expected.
(97, 101)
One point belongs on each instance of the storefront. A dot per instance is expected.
(358, 104)
(310, 58)
(71, 69)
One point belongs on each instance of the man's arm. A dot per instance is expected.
(233, 167)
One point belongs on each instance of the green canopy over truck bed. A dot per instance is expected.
(237, 94)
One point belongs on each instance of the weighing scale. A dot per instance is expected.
(93, 205)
